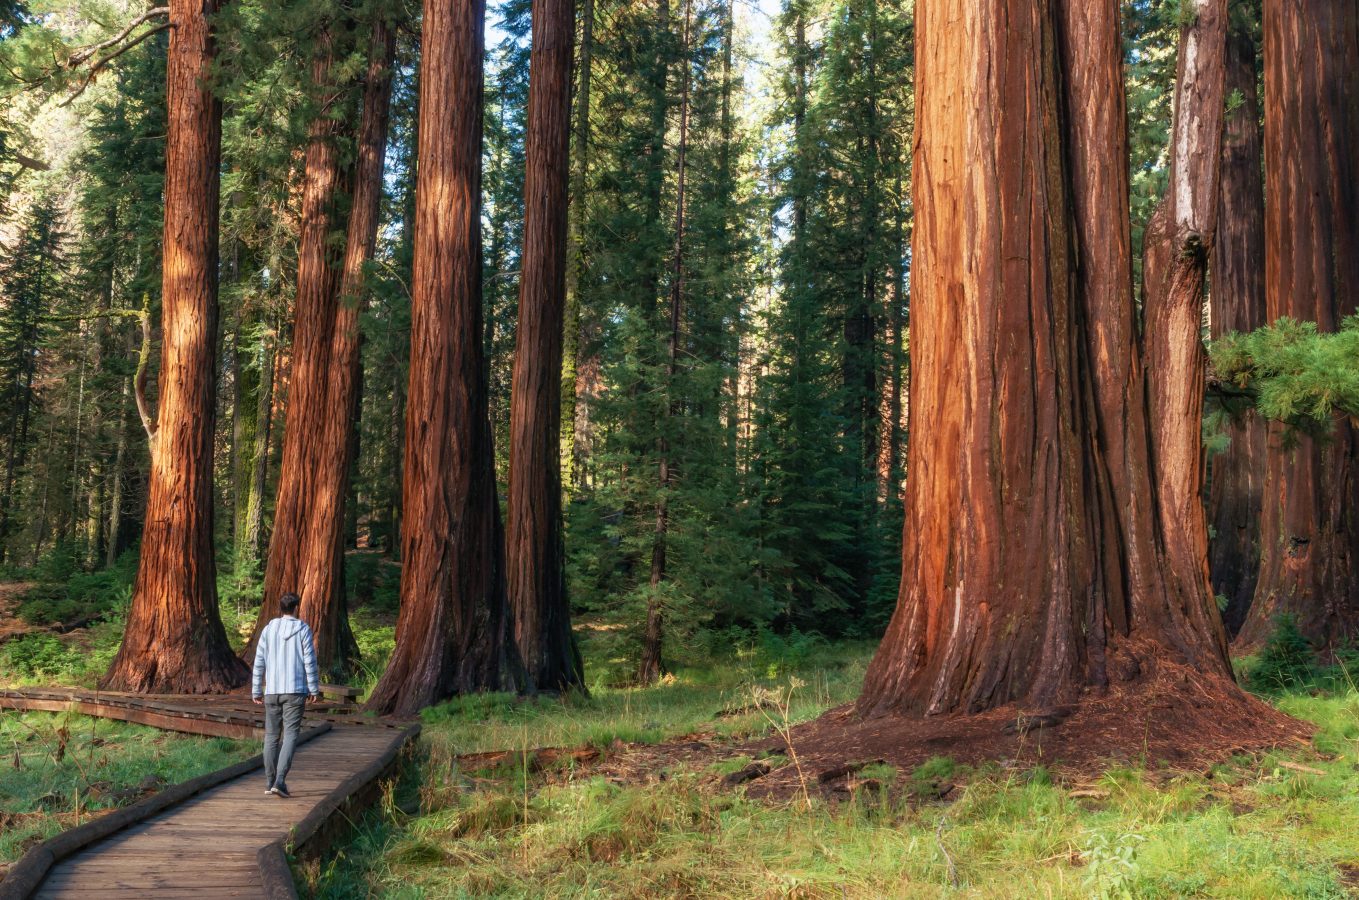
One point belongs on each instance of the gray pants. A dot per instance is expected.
(284, 709)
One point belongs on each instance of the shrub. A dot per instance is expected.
(83, 597)
(40, 655)
(1286, 660)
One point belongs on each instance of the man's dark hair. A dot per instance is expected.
(289, 603)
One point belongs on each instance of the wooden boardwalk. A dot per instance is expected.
(209, 845)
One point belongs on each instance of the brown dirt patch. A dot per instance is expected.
(1175, 719)
(1349, 878)
(10, 595)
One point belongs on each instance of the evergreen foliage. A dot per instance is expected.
(1292, 372)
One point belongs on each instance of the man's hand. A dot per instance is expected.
(258, 701)
(314, 698)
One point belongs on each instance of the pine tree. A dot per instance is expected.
(32, 272)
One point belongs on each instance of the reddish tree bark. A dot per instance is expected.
(1033, 564)
(298, 559)
(1237, 303)
(1177, 242)
(453, 634)
(1310, 517)
(534, 547)
(174, 641)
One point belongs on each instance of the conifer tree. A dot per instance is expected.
(32, 271)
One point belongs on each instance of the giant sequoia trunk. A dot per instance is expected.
(306, 552)
(453, 634)
(299, 561)
(1237, 301)
(1033, 567)
(534, 547)
(1309, 531)
(174, 641)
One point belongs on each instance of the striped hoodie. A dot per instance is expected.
(285, 659)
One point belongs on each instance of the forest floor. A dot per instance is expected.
(712, 784)
(666, 792)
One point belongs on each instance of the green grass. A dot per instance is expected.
(717, 697)
(1249, 827)
(59, 769)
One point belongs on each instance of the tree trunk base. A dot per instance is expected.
(1159, 713)
(158, 671)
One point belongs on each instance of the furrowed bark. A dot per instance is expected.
(1033, 565)
(535, 551)
(1309, 565)
(174, 641)
(1237, 303)
(453, 633)
(297, 563)
(1178, 239)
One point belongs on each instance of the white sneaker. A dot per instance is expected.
(270, 791)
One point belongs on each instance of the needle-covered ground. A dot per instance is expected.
(657, 799)
(58, 770)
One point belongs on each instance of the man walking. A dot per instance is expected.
(285, 674)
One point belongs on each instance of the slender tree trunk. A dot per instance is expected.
(1023, 558)
(534, 547)
(889, 404)
(1176, 245)
(454, 631)
(243, 424)
(1309, 566)
(1238, 304)
(735, 299)
(584, 323)
(16, 455)
(174, 641)
(253, 537)
(115, 506)
(651, 665)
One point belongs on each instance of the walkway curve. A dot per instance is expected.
(221, 841)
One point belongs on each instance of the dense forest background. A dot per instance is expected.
(737, 315)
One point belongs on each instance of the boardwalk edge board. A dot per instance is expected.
(24, 877)
(275, 873)
(315, 832)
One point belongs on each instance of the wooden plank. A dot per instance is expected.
(146, 871)
(212, 727)
(223, 840)
(252, 891)
(131, 878)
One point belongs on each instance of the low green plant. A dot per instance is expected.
(80, 598)
(1286, 661)
(1111, 864)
